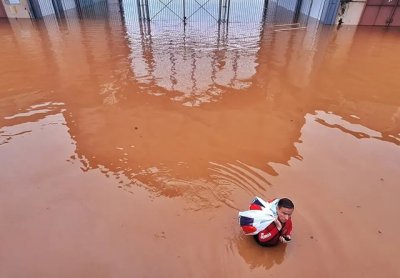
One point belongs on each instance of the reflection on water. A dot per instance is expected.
(195, 66)
(202, 119)
(256, 256)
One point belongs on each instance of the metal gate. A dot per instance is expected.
(275, 12)
(381, 13)
(218, 11)
(185, 11)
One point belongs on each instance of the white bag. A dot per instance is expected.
(254, 221)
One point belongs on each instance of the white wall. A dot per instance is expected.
(17, 11)
(353, 13)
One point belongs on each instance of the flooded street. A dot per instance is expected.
(127, 150)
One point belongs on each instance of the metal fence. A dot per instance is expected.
(219, 11)
(183, 11)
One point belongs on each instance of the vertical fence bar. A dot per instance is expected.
(143, 9)
(184, 12)
(229, 8)
(78, 8)
(265, 10)
(224, 6)
(219, 12)
(297, 10)
(139, 10)
(122, 11)
(147, 10)
(56, 8)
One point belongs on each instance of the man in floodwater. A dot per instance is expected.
(280, 229)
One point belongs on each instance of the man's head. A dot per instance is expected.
(285, 209)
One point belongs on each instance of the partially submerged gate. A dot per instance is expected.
(219, 11)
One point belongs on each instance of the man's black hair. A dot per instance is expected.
(286, 203)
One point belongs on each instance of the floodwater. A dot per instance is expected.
(128, 152)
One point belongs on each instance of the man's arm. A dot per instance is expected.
(285, 235)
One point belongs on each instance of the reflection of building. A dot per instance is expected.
(126, 114)
(373, 104)
(146, 137)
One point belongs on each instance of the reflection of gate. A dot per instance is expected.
(381, 13)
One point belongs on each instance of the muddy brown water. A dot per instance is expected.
(128, 154)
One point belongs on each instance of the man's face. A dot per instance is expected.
(284, 214)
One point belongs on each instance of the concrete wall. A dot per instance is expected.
(20, 10)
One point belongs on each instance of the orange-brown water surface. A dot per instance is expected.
(128, 152)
